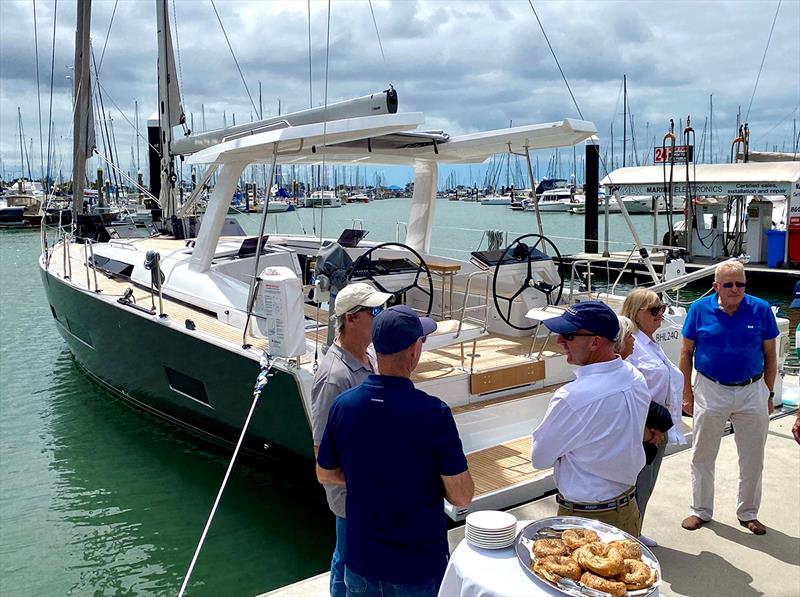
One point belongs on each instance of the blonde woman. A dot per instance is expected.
(624, 344)
(664, 380)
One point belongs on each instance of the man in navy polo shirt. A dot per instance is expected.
(399, 451)
(346, 364)
(729, 338)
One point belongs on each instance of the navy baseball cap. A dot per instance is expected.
(397, 328)
(593, 316)
(796, 301)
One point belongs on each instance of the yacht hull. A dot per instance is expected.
(179, 376)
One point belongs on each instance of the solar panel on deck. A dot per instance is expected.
(492, 258)
(385, 267)
(249, 246)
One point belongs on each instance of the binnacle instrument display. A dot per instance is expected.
(579, 557)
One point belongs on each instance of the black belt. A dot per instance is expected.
(614, 504)
(738, 384)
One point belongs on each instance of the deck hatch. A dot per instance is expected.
(113, 266)
(186, 385)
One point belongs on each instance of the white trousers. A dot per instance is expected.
(746, 407)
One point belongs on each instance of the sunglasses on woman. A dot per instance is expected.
(656, 311)
(732, 284)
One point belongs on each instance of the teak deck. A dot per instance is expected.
(490, 352)
(502, 465)
(509, 463)
(175, 310)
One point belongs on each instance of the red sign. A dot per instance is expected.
(680, 154)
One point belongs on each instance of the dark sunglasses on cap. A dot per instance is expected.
(656, 311)
(571, 337)
(732, 284)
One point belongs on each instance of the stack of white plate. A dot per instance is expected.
(490, 529)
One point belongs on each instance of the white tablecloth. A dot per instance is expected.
(476, 572)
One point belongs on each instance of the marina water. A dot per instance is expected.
(97, 498)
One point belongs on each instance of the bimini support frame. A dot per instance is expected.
(423, 206)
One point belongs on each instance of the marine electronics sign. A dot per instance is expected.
(794, 208)
(709, 188)
(680, 154)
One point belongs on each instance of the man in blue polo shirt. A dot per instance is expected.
(729, 337)
(399, 451)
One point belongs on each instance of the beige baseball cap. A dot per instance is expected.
(358, 294)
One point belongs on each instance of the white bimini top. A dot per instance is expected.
(592, 432)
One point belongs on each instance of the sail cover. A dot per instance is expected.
(176, 114)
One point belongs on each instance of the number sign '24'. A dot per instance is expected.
(680, 154)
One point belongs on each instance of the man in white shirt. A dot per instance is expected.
(592, 432)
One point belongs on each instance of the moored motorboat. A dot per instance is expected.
(21, 205)
(497, 200)
(323, 199)
(634, 205)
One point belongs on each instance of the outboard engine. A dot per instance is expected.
(279, 311)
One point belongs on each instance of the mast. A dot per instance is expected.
(82, 121)
(21, 148)
(136, 109)
(624, 117)
(711, 125)
(170, 110)
(613, 165)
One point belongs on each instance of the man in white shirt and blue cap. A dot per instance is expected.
(592, 432)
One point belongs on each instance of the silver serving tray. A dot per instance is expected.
(552, 527)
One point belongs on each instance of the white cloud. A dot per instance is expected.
(467, 65)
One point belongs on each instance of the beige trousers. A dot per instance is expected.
(746, 407)
(626, 518)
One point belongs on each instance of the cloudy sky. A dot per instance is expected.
(467, 65)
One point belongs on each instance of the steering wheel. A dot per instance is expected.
(366, 264)
(519, 252)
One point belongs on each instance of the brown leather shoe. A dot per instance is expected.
(754, 526)
(692, 523)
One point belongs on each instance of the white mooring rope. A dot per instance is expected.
(261, 383)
